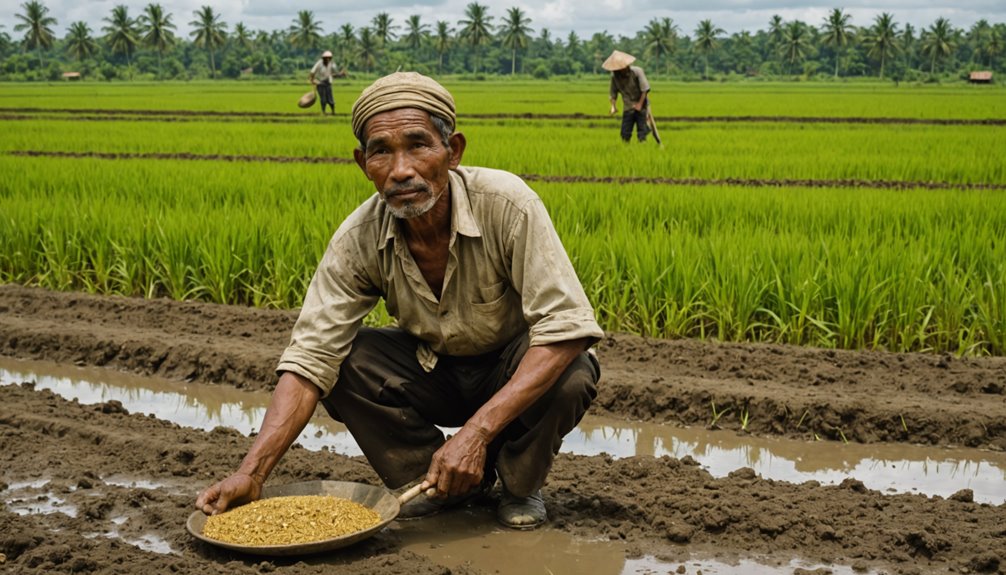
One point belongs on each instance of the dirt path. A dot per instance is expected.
(660, 506)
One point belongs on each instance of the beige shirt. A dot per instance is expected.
(507, 274)
(322, 73)
(632, 86)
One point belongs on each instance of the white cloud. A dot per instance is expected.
(618, 17)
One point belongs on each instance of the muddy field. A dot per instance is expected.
(664, 507)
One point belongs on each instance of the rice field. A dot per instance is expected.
(860, 235)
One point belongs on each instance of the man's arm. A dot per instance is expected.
(457, 467)
(293, 403)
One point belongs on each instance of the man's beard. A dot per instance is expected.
(410, 209)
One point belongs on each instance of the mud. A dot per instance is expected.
(95, 113)
(742, 182)
(664, 507)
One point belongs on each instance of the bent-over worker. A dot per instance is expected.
(629, 81)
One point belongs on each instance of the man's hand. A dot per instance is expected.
(638, 106)
(457, 467)
(236, 490)
(613, 110)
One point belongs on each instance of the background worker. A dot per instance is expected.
(321, 77)
(631, 83)
(493, 325)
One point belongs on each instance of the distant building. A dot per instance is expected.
(984, 77)
(71, 75)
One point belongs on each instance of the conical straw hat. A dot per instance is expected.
(618, 60)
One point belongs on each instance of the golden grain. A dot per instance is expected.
(290, 520)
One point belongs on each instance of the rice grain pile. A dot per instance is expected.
(290, 520)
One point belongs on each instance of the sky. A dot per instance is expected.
(585, 17)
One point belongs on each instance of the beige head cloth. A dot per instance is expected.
(402, 90)
(618, 60)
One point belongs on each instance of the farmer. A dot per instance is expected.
(321, 76)
(630, 82)
(492, 333)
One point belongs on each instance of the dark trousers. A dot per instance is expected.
(392, 407)
(325, 96)
(630, 118)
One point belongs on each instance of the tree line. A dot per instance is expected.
(148, 46)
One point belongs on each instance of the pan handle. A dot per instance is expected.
(413, 492)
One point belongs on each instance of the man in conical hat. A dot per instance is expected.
(631, 83)
(321, 77)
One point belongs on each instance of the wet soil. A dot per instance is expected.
(742, 182)
(664, 506)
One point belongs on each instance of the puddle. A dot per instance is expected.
(38, 504)
(892, 468)
(486, 545)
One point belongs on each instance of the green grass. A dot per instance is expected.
(860, 268)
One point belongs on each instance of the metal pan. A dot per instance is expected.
(377, 498)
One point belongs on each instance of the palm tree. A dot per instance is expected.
(795, 45)
(442, 41)
(347, 43)
(417, 32)
(995, 45)
(908, 43)
(979, 36)
(121, 33)
(882, 39)
(661, 37)
(368, 48)
(776, 32)
(837, 33)
(516, 34)
(156, 27)
(938, 42)
(384, 28)
(305, 33)
(242, 37)
(476, 28)
(208, 32)
(79, 42)
(37, 26)
(706, 34)
(602, 42)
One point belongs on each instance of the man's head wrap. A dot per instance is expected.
(402, 90)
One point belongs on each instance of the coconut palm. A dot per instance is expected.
(384, 28)
(79, 42)
(908, 41)
(347, 43)
(208, 32)
(475, 28)
(882, 39)
(795, 43)
(995, 45)
(515, 34)
(442, 41)
(305, 33)
(37, 27)
(157, 31)
(368, 47)
(837, 33)
(938, 42)
(706, 40)
(602, 42)
(979, 36)
(661, 37)
(242, 37)
(121, 32)
(416, 33)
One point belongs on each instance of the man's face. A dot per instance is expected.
(407, 161)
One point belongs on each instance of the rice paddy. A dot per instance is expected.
(847, 234)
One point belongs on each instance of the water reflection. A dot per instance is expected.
(892, 467)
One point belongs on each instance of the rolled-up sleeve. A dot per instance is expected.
(340, 295)
(553, 300)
